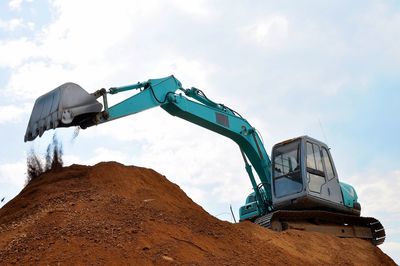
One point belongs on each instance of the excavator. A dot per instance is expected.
(298, 187)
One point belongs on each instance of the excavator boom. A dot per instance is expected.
(190, 104)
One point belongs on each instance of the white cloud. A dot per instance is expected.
(13, 174)
(15, 4)
(69, 159)
(270, 33)
(380, 32)
(192, 73)
(13, 113)
(385, 185)
(12, 24)
(14, 52)
(197, 8)
(69, 49)
(24, 83)
(100, 154)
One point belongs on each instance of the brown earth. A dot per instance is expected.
(126, 215)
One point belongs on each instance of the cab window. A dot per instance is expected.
(328, 164)
(314, 157)
(315, 171)
(286, 169)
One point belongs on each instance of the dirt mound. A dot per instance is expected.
(115, 214)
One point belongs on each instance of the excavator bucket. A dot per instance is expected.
(64, 106)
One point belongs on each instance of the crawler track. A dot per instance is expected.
(342, 225)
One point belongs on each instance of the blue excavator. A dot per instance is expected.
(298, 189)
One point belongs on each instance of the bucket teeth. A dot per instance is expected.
(61, 107)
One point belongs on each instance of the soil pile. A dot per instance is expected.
(118, 215)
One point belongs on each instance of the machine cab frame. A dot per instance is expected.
(304, 176)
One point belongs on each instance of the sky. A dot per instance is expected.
(327, 69)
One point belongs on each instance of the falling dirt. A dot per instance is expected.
(111, 214)
(54, 155)
(75, 134)
(35, 166)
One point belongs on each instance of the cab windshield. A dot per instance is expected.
(286, 169)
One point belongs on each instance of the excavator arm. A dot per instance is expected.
(78, 108)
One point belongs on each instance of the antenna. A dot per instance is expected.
(233, 216)
(230, 207)
(323, 132)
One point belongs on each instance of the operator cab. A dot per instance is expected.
(304, 177)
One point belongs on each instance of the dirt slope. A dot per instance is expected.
(116, 215)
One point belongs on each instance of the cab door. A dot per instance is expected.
(332, 181)
(322, 180)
